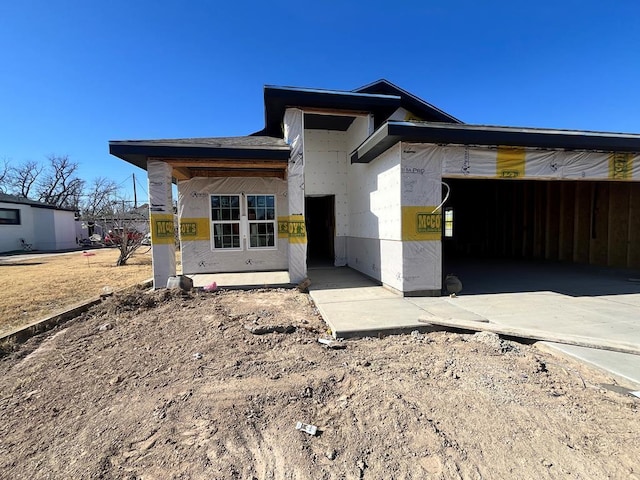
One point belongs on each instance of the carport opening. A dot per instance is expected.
(320, 224)
(528, 223)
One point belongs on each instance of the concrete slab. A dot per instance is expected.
(607, 308)
(243, 280)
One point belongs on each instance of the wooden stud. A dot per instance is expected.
(618, 224)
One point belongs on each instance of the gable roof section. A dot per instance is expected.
(278, 99)
(392, 132)
(409, 101)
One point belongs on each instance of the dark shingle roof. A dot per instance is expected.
(137, 152)
(15, 199)
(214, 142)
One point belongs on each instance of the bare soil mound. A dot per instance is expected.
(165, 386)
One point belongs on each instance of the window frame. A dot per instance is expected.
(16, 221)
(244, 223)
(225, 222)
(447, 222)
(272, 222)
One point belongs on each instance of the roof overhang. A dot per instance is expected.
(209, 157)
(424, 110)
(278, 99)
(392, 132)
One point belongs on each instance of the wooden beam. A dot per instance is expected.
(181, 173)
(538, 335)
(225, 163)
(238, 173)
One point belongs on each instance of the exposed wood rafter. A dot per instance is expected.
(181, 173)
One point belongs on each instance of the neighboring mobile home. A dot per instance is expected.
(382, 181)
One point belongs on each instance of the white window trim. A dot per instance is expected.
(244, 223)
(213, 223)
(274, 222)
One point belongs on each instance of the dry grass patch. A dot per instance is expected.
(35, 288)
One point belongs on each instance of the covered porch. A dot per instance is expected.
(201, 167)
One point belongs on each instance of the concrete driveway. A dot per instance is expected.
(576, 300)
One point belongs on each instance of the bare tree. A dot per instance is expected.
(99, 198)
(60, 186)
(5, 176)
(24, 178)
(127, 229)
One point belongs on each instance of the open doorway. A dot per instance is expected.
(320, 223)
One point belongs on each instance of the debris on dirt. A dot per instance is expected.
(197, 356)
(212, 287)
(104, 327)
(107, 291)
(264, 329)
(307, 428)
(331, 454)
(332, 344)
(494, 341)
(304, 285)
(182, 282)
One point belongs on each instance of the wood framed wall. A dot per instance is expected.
(595, 222)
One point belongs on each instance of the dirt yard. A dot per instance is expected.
(42, 285)
(161, 386)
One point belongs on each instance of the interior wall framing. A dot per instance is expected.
(594, 222)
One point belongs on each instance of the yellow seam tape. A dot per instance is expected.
(419, 224)
(195, 229)
(162, 229)
(510, 162)
(620, 165)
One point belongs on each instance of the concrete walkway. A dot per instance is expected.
(601, 304)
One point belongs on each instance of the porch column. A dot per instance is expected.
(163, 246)
(294, 136)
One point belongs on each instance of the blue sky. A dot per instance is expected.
(76, 74)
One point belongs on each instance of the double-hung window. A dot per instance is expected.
(225, 215)
(236, 217)
(261, 215)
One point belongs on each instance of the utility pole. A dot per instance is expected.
(135, 196)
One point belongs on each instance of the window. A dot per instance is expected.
(261, 213)
(234, 217)
(9, 216)
(225, 216)
(448, 222)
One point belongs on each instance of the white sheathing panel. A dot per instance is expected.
(374, 245)
(358, 132)
(516, 162)
(374, 197)
(421, 175)
(294, 136)
(325, 173)
(402, 115)
(10, 235)
(421, 194)
(163, 250)
(194, 216)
